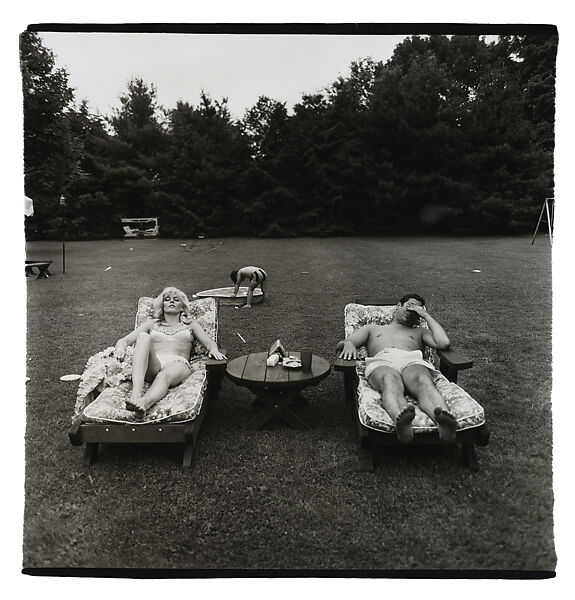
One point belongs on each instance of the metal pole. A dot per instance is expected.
(539, 221)
(549, 219)
(63, 205)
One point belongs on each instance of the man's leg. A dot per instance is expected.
(145, 365)
(387, 381)
(419, 383)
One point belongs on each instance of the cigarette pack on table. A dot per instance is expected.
(273, 359)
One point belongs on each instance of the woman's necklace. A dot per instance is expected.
(172, 329)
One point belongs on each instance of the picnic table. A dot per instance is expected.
(278, 387)
(41, 265)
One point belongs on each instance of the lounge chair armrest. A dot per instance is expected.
(342, 364)
(451, 362)
(348, 368)
(454, 360)
(215, 372)
(212, 363)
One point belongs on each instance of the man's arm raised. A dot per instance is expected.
(435, 336)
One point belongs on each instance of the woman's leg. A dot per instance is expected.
(145, 366)
(171, 375)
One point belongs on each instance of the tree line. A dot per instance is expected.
(450, 135)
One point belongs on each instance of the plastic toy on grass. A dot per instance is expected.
(226, 296)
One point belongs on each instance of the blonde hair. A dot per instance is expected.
(158, 305)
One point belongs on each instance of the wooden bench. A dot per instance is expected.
(41, 265)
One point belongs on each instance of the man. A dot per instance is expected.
(255, 276)
(395, 365)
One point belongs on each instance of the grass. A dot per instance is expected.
(280, 498)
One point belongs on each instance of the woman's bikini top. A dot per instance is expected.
(181, 333)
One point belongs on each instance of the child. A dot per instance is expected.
(255, 275)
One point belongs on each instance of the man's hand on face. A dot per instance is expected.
(419, 310)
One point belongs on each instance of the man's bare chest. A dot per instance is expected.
(387, 336)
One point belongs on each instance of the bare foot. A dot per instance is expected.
(247, 306)
(403, 424)
(139, 411)
(446, 423)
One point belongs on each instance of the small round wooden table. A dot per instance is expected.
(275, 387)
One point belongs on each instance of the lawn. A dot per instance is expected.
(279, 498)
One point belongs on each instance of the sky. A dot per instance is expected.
(239, 67)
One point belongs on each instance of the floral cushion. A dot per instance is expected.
(182, 403)
(110, 379)
(461, 405)
(370, 409)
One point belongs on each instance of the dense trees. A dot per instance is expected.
(451, 135)
(207, 156)
(48, 155)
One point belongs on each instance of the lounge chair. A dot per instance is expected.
(375, 427)
(100, 415)
(43, 267)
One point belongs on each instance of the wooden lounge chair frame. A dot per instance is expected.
(186, 433)
(43, 267)
(151, 231)
(450, 363)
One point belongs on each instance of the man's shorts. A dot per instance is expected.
(396, 359)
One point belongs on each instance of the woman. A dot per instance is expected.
(162, 349)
